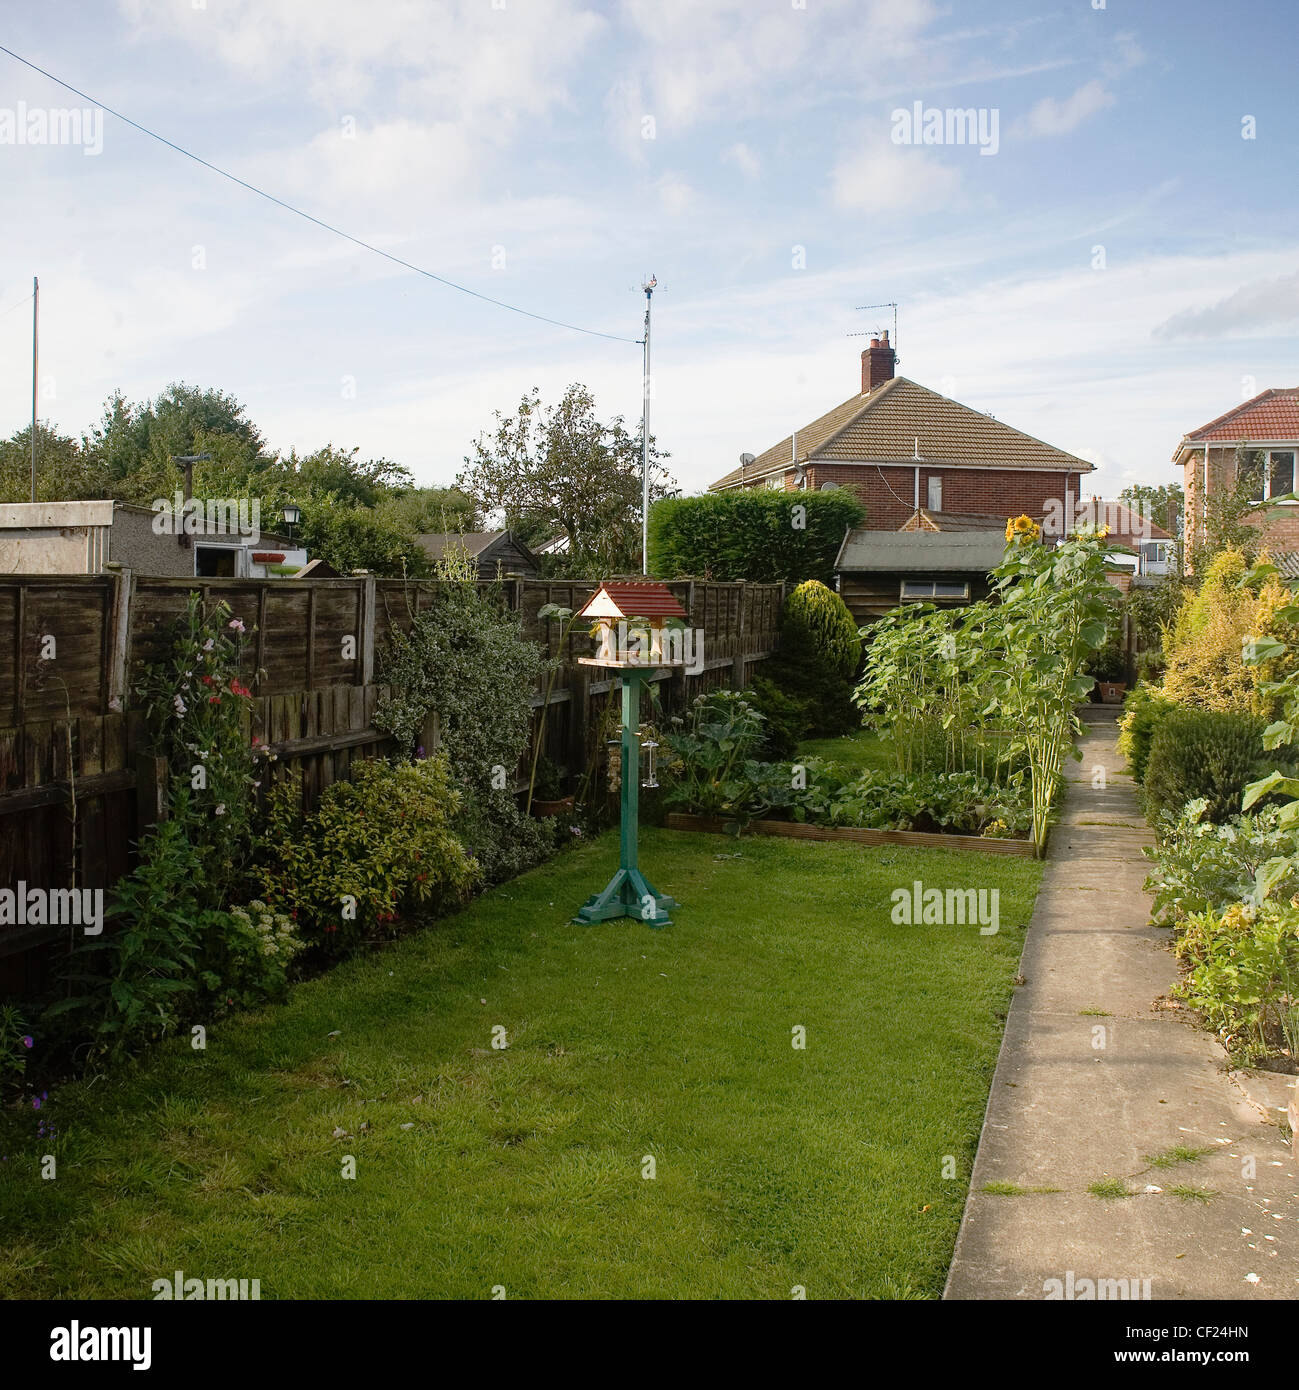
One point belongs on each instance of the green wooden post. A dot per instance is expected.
(629, 893)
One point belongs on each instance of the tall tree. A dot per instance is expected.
(560, 470)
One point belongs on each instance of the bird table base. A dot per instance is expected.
(628, 894)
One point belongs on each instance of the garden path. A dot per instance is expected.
(1097, 1071)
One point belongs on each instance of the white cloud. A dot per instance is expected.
(1051, 117)
(744, 159)
(879, 176)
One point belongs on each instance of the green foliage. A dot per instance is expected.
(719, 737)
(1198, 753)
(195, 707)
(1052, 612)
(172, 957)
(754, 534)
(1243, 975)
(1143, 708)
(561, 471)
(466, 659)
(714, 773)
(1201, 867)
(375, 846)
(787, 718)
(16, 1042)
(355, 538)
(824, 617)
(65, 469)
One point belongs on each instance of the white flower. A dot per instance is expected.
(221, 809)
(180, 704)
(236, 625)
(209, 644)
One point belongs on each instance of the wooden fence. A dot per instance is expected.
(78, 783)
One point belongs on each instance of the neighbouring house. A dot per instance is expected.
(1138, 544)
(949, 567)
(1255, 444)
(224, 541)
(497, 554)
(903, 449)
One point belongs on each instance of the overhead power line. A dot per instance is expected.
(306, 216)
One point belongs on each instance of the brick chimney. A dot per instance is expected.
(877, 364)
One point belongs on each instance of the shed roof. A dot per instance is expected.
(921, 552)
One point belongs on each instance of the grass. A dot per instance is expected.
(858, 752)
(1110, 1188)
(1013, 1189)
(523, 1167)
(1179, 1153)
(1192, 1194)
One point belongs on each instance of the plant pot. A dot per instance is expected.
(1112, 692)
(542, 809)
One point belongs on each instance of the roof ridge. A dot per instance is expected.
(1236, 409)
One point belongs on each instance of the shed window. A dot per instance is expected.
(914, 589)
(215, 561)
(935, 490)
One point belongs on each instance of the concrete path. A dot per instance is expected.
(1097, 1070)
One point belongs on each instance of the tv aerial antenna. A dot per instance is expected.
(892, 304)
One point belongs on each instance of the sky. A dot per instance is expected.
(1117, 266)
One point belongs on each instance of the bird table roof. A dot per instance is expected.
(629, 598)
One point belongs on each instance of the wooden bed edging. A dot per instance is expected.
(801, 830)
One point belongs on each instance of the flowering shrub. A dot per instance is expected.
(1243, 975)
(258, 945)
(196, 707)
(375, 846)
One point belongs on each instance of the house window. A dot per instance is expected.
(1280, 472)
(914, 590)
(776, 484)
(935, 490)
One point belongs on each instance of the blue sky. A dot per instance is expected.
(501, 143)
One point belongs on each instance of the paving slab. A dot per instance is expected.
(1099, 1072)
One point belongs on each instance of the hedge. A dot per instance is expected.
(751, 534)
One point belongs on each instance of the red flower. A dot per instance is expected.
(214, 699)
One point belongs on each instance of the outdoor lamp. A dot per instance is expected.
(292, 514)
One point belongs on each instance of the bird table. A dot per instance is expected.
(632, 625)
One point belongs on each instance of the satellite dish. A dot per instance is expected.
(747, 459)
(828, 487)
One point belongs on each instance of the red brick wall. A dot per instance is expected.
(1280, 527)
(888, 492)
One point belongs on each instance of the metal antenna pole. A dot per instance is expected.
(648, 287)
(36, 306)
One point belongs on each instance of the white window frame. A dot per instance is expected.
(932, 596)
(930, 485)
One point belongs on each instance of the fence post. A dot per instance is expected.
(368, 599)
(119, 652)
(738, 670)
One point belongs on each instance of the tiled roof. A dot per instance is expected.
(640, 599)
(1272, 414)
(435, 543)
(925, 520)
(899, 419)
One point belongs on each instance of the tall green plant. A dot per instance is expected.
(1051, 613)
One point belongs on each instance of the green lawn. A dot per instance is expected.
(524, 1168)
(863, 751)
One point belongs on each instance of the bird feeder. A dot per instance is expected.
(634, 622)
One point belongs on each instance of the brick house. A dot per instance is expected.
(903, 448)
(1255, 443)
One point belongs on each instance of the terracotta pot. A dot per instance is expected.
(542, 809)
(1112, 692)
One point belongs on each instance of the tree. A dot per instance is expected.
(419, 510)
(560, 470)
(1164, 505)
(64, 470)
